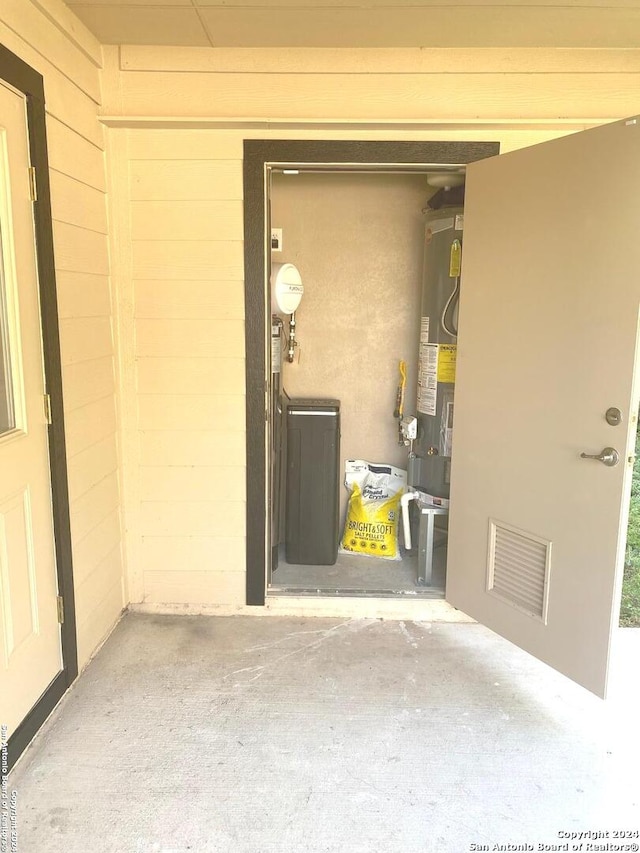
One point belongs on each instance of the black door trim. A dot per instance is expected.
(25, 79)
(257, 154)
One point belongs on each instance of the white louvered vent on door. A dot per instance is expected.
(518, 569)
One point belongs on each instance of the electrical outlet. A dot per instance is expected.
(276, 239)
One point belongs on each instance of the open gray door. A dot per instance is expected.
(547, 344)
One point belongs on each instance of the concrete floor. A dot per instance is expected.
(251, 734)
(356, 572)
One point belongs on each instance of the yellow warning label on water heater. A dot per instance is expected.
(455, 259)
(447, 354)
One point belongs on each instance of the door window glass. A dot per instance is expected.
(7, 412)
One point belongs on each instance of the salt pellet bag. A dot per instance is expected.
(371, 526)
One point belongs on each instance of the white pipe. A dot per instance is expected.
(406, 524)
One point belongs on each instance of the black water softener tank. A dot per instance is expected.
(313, 478)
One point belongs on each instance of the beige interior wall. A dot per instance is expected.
(357, 241)
(69, 59)
(178, 236)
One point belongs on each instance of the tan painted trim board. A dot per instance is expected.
(248, 123)
(271, 60)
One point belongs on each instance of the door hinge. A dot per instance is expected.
(47, 409)
(33, 189)
(60, 602)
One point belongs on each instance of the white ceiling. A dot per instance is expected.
(368, 23)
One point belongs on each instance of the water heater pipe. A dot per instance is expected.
(455, 294)
(292, 338)
(406, 524)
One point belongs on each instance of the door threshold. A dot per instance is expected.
(330, 592)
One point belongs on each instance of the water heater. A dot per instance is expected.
(430, 463)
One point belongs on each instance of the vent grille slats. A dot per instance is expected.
(530, 576)
(518, 569)
(528, 553)
(519, 596)
(521, 587)
(526, 573)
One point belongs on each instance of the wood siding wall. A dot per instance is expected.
(178, 235)
(69, 59)
(379, 83)
(180, 274)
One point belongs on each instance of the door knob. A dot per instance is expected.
(609, 456)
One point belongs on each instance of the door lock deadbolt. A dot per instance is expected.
(613, 416)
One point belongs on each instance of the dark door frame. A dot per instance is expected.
(25, 79)
(259, 154)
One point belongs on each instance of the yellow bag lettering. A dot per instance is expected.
(372, 525)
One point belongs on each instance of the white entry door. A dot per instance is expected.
(548, 339)
(30, 646)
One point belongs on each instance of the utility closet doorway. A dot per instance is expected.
(382, 189)
(344, 367)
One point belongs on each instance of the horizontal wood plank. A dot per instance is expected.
(195, 219)
(83, 295)
(85, 339)
(193, 587)
(93, 590)
(375, 96)
(86, 381)
(88, 468)
(384, 60)
(184, 554)
(90, 424)
(192, 518)
(96, 546)
(94, 506)
(184, 145)
(181, 180)
(67, 103)
(196, 338)
(94, 625)
(191, 483)
(191, 376)
(210, 260)
(80, 250)
(214, 300)
(76, 203)
(73, 155)
(193, 412)
(182, 448)
(62, 16)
